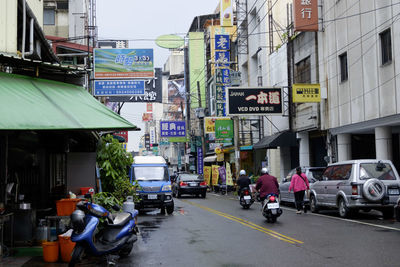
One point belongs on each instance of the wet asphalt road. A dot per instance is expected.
(216, 231)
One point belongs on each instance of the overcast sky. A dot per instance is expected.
(134, 20)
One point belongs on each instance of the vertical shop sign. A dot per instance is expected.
(222, 174)
(226, 13)
(229, 180)
(214, 174)
(305, 15)
(199, 160)
(207, 174)
(147, 141)
(152, 135)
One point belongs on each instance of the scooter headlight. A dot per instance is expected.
(78, 221)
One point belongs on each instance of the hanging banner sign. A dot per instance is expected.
(229, 180)
(222, 174)
(215, 174)
(305, 15)
(226, 13)
(254, 101)
(209, 124)
(222, 42)
(172, 129)
(152, 131)
(207, 174)
(306, 93)
(200, 160)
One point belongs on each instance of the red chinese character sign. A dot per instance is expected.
(305, 15)
(254, 101)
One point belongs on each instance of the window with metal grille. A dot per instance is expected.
(386, 46)
(49, 16)
(62, 5)
(303, 71)
(344, 74)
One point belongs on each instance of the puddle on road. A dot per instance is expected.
(150, 224)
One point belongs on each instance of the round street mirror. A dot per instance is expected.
(170, 41)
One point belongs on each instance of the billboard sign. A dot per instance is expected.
(147, 117)
(172, 129)
(224, 129)
(226, 13)
(209, 124)
(305, 15)
(123, 63)
(254, 101)
(118, 87)
(222, 42)
(306, 93)
(176, 100)
(152, 91)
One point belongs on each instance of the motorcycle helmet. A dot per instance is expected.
(242, 172)
(264, 170)
(78, 220)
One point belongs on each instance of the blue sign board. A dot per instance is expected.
(199, 160)
(172, 129)
(118, 88)
(222, 42)
(222, 56)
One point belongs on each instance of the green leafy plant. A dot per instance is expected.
(114, 163)
(106, 200)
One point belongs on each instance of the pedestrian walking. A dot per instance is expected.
(299, 184)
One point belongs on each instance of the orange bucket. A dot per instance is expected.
(50, 251)
(66, 206)
(66, 247)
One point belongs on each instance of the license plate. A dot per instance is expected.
(152, 196)
(247, 197)
(273, 206)
(393, 191)
(192, 184)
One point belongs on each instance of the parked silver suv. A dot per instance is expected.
(357, 184)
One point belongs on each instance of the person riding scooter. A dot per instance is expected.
(267, 184)
(243, 181)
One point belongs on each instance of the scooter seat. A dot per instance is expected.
(120, 219)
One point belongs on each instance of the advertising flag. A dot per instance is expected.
(207, 174)
(215, 174)
(226, 13)
(229, 180)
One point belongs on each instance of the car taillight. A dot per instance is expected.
(203, 183)
(183, 184)
(246, 192)
(272, 198)
(354, 190)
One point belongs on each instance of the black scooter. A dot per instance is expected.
(245, 198)
(271, 209)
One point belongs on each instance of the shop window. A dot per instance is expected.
(386, 46)
(303, 71)
(344, 74)
(62, 5)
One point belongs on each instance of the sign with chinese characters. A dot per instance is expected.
(147, 141)
(254, 101)
(229, 180)
(149, 107)
(222, 59)
(222, 42)
(222, 174)
(305, 15)
(123, 134)
(214, 174)
(118, 87)
(199, 160)
(152, 91)
(152, 131)
(305, 93)
(118, 63)
(207, 174)
(209, 124)
(172, 129)
(226, 13)
(147, 117)
(224, 129)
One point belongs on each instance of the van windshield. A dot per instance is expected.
(147, 173)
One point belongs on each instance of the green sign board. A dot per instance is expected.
(224, 129)
(178, 139)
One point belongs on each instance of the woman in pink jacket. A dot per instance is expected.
(299, 184)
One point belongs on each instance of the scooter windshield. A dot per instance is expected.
(147, 173)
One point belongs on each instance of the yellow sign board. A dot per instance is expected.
(215, 174)
(306, 93)
(209, 123)
(207, 174)
(226, 13)
(229, 180)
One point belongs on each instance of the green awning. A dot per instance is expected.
(28, 103)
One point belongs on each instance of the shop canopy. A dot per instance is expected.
(28, 103)
(279, 139)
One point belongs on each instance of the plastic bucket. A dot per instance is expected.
(66, 247)
(50, 251)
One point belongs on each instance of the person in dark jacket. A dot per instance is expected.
(243, 181)
(267, 184)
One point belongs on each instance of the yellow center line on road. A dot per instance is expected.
(249, 224)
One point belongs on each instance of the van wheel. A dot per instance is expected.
(170, 209)
(313, 204)
(344, 211)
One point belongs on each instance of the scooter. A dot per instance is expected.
(246, 199)
(271, 209)
(116, 238)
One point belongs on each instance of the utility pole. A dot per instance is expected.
(201, 120)
(236, 143)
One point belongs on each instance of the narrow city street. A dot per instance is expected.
(216, 231)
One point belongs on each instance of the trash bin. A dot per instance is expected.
(66, 246)
(50, 251)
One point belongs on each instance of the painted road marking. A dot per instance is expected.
(249, 224)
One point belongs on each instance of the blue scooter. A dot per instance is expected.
(116, 238)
